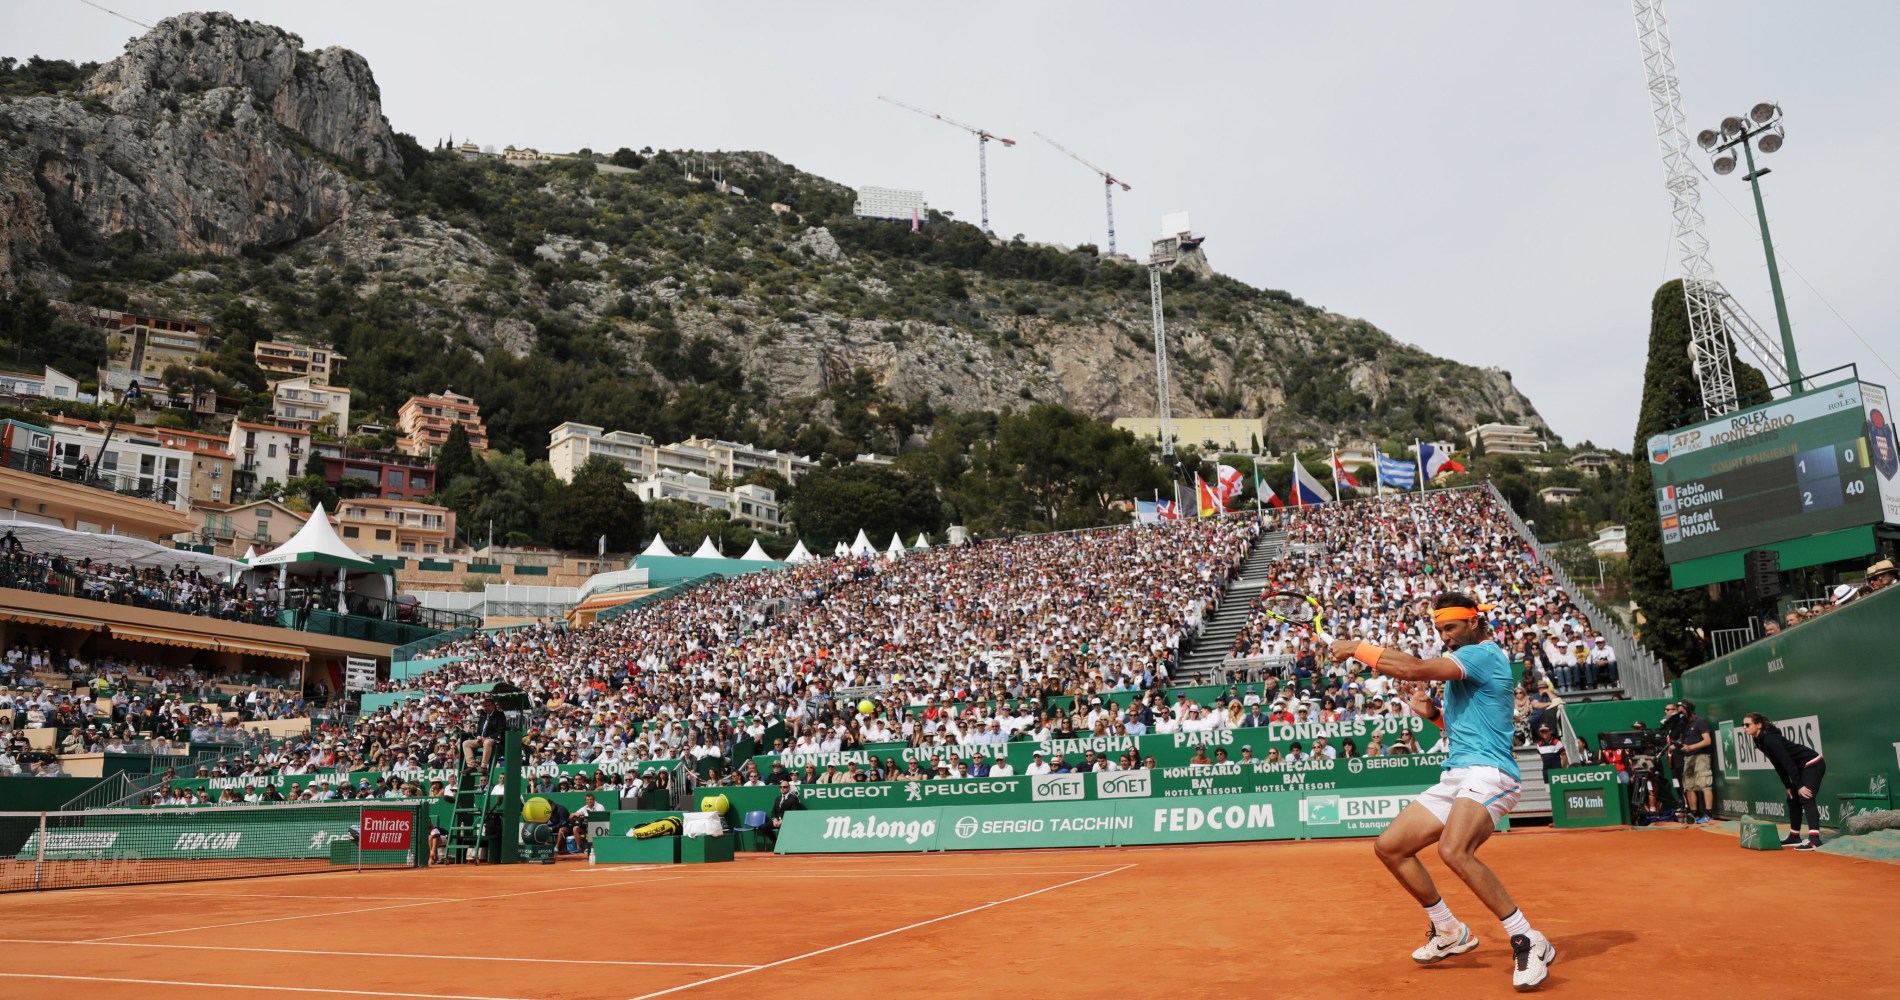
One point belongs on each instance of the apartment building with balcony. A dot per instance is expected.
(395, 527)
(1506, 439)
(571, 444)
(231, 528)
(132, 462)
(266, 453)
(754, 505)
(394, 475)
(305, 403)
(212, 464)
(424, 423)
(277, 359)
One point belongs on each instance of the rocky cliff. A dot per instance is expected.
(209, 135)
(629, 292)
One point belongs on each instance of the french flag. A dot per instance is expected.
(1306, 488)
(1432, 461)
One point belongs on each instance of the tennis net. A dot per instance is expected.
(95, 847)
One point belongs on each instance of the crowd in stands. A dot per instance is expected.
(959, 646)
(115, 705)
(1375, 565)
(178, 589)
(983, 626)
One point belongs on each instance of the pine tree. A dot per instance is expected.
(1672, 397)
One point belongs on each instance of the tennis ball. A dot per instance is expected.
(714, 804)
(866, 707)
(537, 810)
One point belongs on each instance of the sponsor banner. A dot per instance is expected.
(1214, 819)
(1078, 824)
(291, 832)
(1179, 749)
(1114, 822)
(386, 830)
(1419, 771)
(1360, 813)
(871, 830)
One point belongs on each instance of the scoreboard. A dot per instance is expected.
(1789, 469)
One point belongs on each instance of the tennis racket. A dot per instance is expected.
(1295, 608)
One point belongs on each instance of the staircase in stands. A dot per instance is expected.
(1215, 639)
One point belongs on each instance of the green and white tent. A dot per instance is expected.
(316, 552)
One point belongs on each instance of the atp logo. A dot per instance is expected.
(966, 827)
(913, 791)
(1354, 765)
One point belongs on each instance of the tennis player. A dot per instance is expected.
(1479, 785)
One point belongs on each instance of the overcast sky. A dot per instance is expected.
(1480, 179)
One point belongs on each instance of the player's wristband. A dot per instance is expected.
(1368, 654)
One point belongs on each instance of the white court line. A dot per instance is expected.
(884, 934)
(372, 909)
(372, 954)
(240, 986)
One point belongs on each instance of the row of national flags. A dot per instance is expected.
(1206, 499)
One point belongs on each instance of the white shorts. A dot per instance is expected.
(1489, 787)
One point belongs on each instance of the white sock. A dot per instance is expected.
(1442, 920)
(1517, 923)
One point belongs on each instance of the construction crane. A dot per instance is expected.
(1108, 186)
(983, 137)
(1713, 315)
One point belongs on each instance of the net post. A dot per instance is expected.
(39, 854)
(361, 834)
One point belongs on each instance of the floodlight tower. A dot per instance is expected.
(1108, 186)
(1164, 252)
(1763, 126)
(1713, 316)
(983, 137)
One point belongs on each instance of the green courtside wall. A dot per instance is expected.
(1832, 683)
(25, 793)
(1589, 719)
(291, 832)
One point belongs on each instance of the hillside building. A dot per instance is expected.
(1228, 434)
(1592, 463)
(306, 403)
(424, 423)
(395, 527)
(278, 359)
(571, 444)
(134, 462)
(1506, 439)
(212, 463)
(754, 505)
(891, 203)
(266, 453)
(392, 474)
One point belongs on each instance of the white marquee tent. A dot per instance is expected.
(316, 551)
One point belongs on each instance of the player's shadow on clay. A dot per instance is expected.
(1591, 943)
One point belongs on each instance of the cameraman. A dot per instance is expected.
(1698, 764)
(1671, 729)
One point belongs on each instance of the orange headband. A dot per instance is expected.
(1443, 615)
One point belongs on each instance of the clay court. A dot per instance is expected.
(1673, 913)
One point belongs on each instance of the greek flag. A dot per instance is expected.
(1397, 472)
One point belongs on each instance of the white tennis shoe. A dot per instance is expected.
(1438, 947)
(1531, 962)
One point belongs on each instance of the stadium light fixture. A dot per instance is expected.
(1760, 129)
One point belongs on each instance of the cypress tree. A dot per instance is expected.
(1672, 397)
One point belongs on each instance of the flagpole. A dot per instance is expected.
(1418, 462)
(1337, 493)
